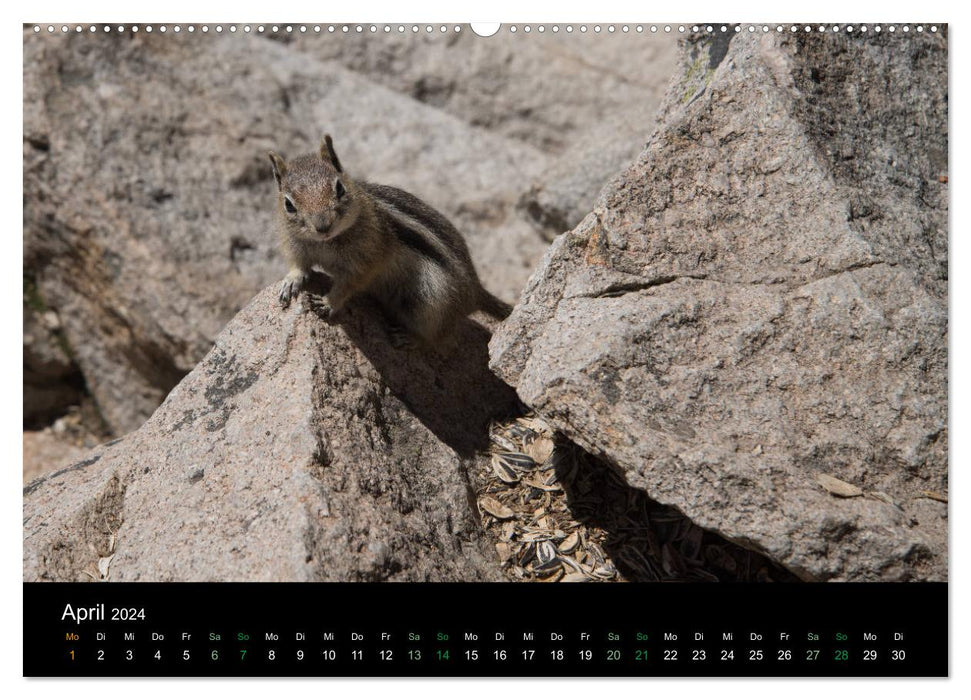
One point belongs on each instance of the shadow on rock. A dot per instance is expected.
(648, 541)
(455, 397)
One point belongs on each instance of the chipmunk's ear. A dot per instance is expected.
(279, 168)
(327, 153)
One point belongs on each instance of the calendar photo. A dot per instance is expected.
(603, 303)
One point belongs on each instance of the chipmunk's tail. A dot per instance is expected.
(493, 305)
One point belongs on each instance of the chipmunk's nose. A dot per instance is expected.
(321, 222)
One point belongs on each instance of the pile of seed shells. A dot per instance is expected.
(559, 514)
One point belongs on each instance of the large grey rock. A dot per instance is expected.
(148, 195)
(295, 451)
(761, 299)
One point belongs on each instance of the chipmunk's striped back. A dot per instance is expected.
(414, 215)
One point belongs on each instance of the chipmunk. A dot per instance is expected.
(378, 240)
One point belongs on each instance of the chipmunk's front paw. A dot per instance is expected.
(321, 306)
(292, 284)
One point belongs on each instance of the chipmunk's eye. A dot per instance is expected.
(339, 187)
(288, 205)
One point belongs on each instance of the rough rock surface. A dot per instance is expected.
(586, 99)
(762, 298)
(45, 451)
(296, 450)
(148, 195)
(547, 89)
(52, 381)
(570, 187)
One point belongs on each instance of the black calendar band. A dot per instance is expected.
(473, 629)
